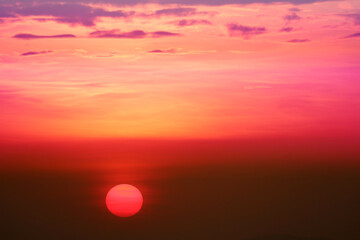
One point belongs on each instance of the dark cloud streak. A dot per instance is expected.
(237, 30)
(71, 13)
(298, 40)
(190, 22)
(286, 29)
(28, 36)
(183, 2)
(87, 12)
(354, 16)
(355, 35)
(179, 12)
(31, 53)
(136, 34)
(162, 51)
(292, 17)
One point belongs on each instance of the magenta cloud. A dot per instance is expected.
(162, 51)
(166, 2)
(179, 12)
(292, 17)
(294, 9)
(31, 53)
(72, 13)
(87, 12)
(190, 22)
(286, 29)
(237, 30)
(174, 12)
(115, 33)
(163, 34)
(355, 35)
(354, 16)
(298, 40)
(28, 36)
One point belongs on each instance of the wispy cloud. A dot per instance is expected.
(292, 17)
(163, 51)
(286, 29)
(71, 13)
(355, 35)
(178, 12)
(165, 2)
(34, 53)
(115, 33)
(298, 40)
(163, 34)
(354, 16)
(190, 22)
(294, 9)
(28, 36)
(236, 30)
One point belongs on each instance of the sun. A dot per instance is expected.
(124, 200)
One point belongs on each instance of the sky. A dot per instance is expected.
(235, 119)
(179, 69)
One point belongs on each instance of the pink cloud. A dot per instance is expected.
(353, 35)
(286, 29)
(178, 12)
(164, 34)
(294, 9)
(28, 36)
(115, 33)
(163, 51)
(236, 30)
(72, 13)
(292, 17)
(34, 53)
(298, 40)
(354, 16)
(190, 22)
(166, 2)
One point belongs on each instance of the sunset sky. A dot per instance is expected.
(179, 68)
(217, 119)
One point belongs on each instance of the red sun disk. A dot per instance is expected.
(124, 200)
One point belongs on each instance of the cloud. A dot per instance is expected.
(298, 40)
(163, 51)
(87, 12)
(294, 9)
(286, 29)
(355, 35)
(236, 30)
(354, 16)
(34, 53)
(175, 12)
(179, 12)
(29, 36)
(292, 17)
(164, 34)
(78, 13)
(115, 33)
(72, 13)
(165, 2)
(190, 22)
(118, 95)
(6, 12)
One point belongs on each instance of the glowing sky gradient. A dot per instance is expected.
(179, 69)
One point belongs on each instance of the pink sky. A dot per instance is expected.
(179, 69)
